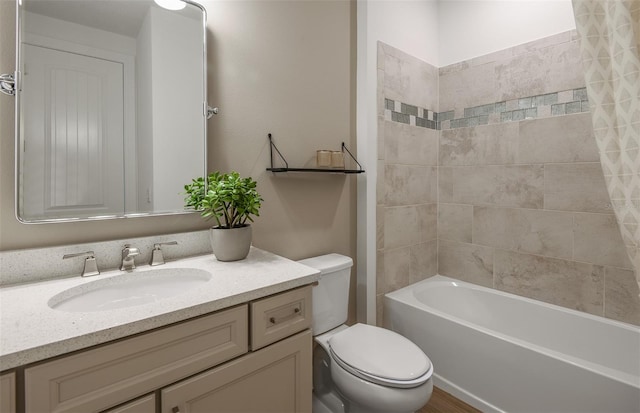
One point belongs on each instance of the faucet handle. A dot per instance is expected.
(90, 263)
(157, 258)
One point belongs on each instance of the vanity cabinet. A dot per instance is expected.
(212, 352)
(8, 393)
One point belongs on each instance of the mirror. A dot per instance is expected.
(111, 108)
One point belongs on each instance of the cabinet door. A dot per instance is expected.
(145, 404)
(8, 393)
(275, 379)
(102, 377)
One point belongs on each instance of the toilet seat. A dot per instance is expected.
(380, 356)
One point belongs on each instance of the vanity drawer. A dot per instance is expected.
(96, 379)
(145, 404)
(279, 316)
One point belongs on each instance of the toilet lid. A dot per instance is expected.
(380, 355)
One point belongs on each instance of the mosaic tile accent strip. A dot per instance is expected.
(410, 114)
(531, 107)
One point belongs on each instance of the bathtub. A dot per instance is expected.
(504, 353)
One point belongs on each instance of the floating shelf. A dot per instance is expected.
(286, 168)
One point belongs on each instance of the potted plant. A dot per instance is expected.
(231, 201)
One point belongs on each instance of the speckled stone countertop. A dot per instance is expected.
(32, 331)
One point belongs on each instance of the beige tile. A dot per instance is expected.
(557, 139)
(455, 222)
(483, 145)
(380, 227)
(597, 240)
(401, 226)
(424, 261)
(409, 184)
(410, 145)
(381, 189)
(427, 221)
(381, 55)
(576, 187)
(509, 186)
(466, 262)
(397, 266)
(445, 184)
(380, 95)
(381, 283)
(543, 43)
(466, 88)
(547, 233)
(569, 284)
(622, 297)
(381, 132)
(410, 80)
(380, 320)
(541, 71)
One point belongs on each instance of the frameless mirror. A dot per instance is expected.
(111, 108)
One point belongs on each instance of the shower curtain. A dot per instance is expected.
(609, 32)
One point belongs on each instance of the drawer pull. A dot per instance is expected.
(175, 410)
(274, 320)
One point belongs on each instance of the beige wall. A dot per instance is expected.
(284, 67)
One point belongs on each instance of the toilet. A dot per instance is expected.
(360, 368)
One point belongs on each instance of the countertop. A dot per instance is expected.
(31, 331)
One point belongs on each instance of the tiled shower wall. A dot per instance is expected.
(407, 188)
(522, 204)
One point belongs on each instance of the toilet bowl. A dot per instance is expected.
(390, 374)
(360, 368)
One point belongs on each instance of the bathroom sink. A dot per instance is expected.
(129, 290)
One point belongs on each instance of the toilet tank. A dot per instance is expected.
(331, 295)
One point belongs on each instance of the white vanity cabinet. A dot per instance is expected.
(201, 360)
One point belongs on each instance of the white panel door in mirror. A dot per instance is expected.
(72, 142)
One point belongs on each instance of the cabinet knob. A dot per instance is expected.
(176, 409)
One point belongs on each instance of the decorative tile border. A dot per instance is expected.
(411, 115)
(531, 107)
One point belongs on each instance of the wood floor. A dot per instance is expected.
(443, 402)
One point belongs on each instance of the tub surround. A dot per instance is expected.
(407, 171)
(521, 201)
(32, 331)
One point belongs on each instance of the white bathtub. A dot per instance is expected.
(504, 353)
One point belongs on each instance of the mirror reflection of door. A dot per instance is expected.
(91, 68)
(73, 145)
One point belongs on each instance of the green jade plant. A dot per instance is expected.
(228, 198)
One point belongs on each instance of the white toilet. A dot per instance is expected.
(362, 368)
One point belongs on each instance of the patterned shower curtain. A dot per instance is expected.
(609, 32)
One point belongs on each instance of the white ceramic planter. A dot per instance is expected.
(230, 244)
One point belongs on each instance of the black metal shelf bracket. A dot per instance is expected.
(273, 146)
(286, 167)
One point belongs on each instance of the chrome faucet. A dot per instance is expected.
(128, 254)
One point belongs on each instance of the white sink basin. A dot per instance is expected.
(132, 289)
